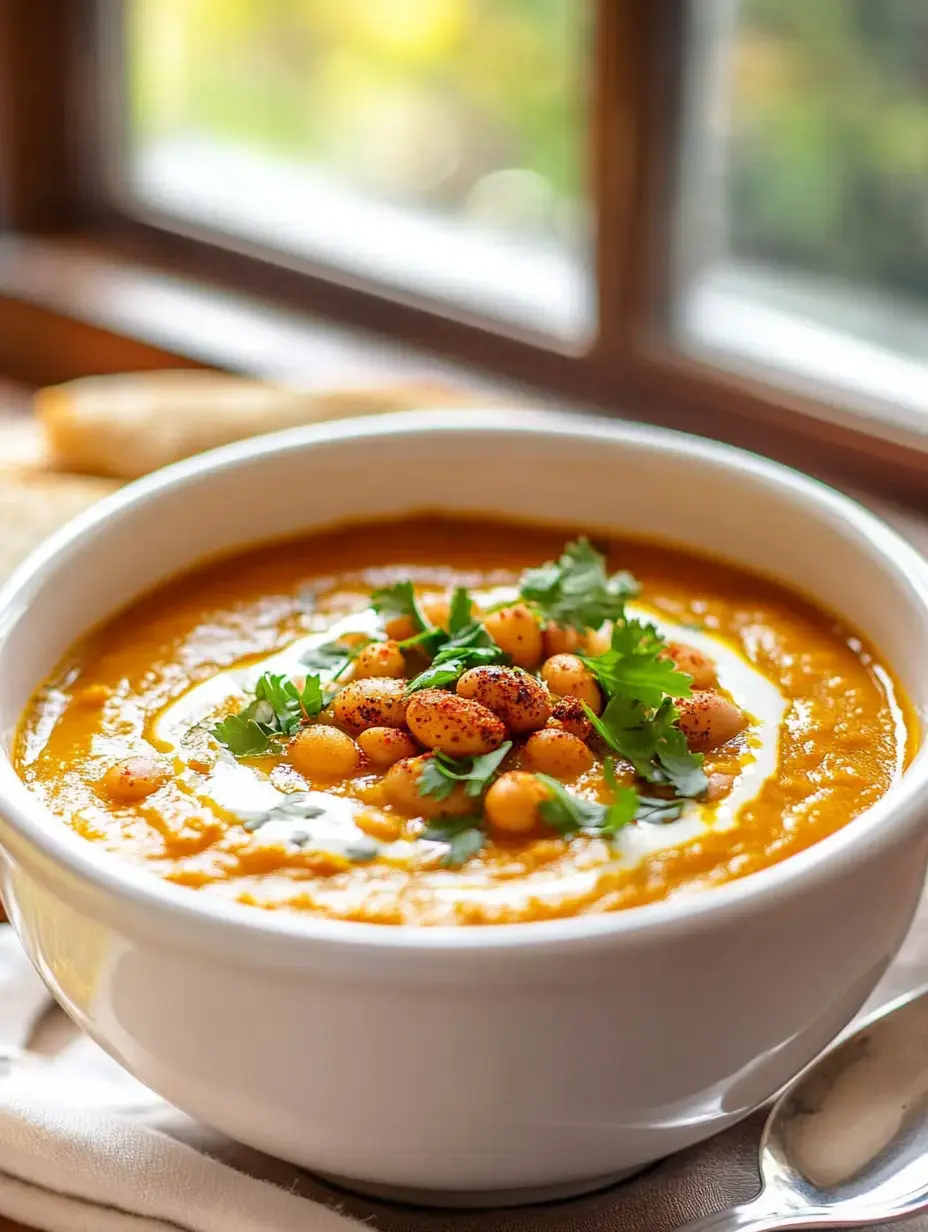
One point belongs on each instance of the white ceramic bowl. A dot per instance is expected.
(474, 1060)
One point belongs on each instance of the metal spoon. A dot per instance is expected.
(847, 1141)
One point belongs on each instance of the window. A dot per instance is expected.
(431, 145)
(802, 221)
(706, 213)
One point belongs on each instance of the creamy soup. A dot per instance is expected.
(439, 721)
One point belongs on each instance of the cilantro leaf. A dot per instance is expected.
(575, 591)
(464, 837)
(652, 742)
(335, 655)
(471, 646)
(399, 599)
(656, 811)
(461, 605)
(243, 737)
(441, 772)
(634, 666)
(290, 705)
(569, 813)
(278, 709)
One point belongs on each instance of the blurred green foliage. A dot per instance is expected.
(404, 98)
(829, 164)
(431, 100)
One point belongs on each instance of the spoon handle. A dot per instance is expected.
(754, 1216)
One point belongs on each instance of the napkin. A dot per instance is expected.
(84, 1147)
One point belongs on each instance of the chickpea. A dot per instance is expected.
(598, 641)
(709, 720)
(436, 610)
(401, 786)
(511, 804)
(379, 659)
(378, 701)
(568, 713)
(567, 676)
(515, 630)
(455, 725)
(557, 753)
(321, 752)
(516, 697)
(557, 640)
(132, 779)
(692, 661)
(398, 628)
(383, 746)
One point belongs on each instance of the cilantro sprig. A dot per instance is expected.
(652, 741)
(467, 645)
(570, 814)
(337, 655)
(278, 709)
(464, 836)
(441, 773)
(635, 666)
(575, 591)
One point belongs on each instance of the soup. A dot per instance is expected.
(440, 721)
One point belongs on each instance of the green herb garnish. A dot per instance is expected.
(243, 737)
(467, 645)
(569, 813)
(442, 773)
(390, 602)
(576, 591)
(463, 836)
(334, 656)
(635, 666)
(295, 806)
(651, 740)
(279, 709)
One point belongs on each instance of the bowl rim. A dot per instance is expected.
(202, 920)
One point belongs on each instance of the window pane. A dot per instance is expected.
(437, 145)
(802, 236)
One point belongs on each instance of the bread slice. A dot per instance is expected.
(127, 425)
(33, 504)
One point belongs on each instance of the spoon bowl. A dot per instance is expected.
(847, 1142)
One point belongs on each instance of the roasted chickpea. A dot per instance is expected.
(378, 701)
(558, 753)
(383, 746)
(511, 804)
(567, 676)
(436, 610)
(384, 659)
(520, 700)
(692, 661)
(515, 630)
(398, 628)
(568, 713)
(132, 779)
(709, 720)
(598, 641)
(401, 786)
(455, 725)
(557, 640)
(321, 752)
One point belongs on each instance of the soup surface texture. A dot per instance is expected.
(439, 721)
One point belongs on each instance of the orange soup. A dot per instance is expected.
(438, 721)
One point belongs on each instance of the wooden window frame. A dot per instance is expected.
(61, 89)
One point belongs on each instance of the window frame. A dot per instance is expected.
(60, 70)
